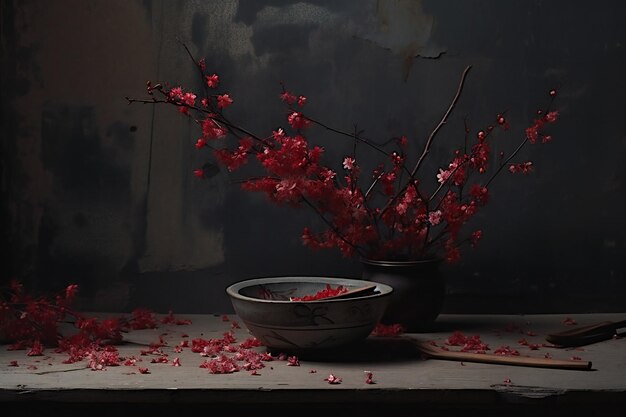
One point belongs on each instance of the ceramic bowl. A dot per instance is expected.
(266, 308)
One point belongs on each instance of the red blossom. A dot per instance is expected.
(224, 101)
(506, 351)
(99, 360)
(387, 330)
(212, 81)
(250, 342)
(378, 214)
(333, 379)
(131, 361)
(468, 344)
(288, 97)
(36, 349)
(328, 291)
(170, 319)
(70, 292)
(297, 121)
(142, 318)
(524, 168)
(221, 365)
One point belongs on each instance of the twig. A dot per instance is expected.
(442, 122)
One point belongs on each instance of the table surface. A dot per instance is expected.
(401, 376)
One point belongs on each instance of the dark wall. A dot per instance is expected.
(100, 193)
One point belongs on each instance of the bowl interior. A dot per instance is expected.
(286, 288)
(267, 308)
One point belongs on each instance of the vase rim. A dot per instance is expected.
(383, 262)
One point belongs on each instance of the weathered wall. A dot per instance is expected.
(101, 193)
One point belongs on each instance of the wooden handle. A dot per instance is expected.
(356, 292)
(436, 353)
(584, 335)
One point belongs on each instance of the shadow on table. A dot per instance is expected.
(372, 349)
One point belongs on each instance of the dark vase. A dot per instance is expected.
(419, 290)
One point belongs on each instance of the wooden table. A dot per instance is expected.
(405, 383)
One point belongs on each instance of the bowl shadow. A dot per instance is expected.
(372, 349)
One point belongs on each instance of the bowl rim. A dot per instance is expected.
(233, 289)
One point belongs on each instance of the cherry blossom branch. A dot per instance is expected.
(199, 67)
(355, 136)
(442, 122)
(506, 161)
(221, 119)
(408, 230)
(332, 226)
(431, 137)
(521, 145)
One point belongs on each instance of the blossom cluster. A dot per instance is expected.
(393, 212)
(34, 323)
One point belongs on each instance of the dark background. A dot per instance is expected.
(100, 193)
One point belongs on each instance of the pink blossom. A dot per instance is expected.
(212, 81)
(552, 116)
(176, 94)
(288, 97)
(443, 176)
(224, 101)
(278, 135)
(524, 168)
(333, 379)
(297, 121)
(434, 217)
(200, 143)
(189, 99)
(348, 163)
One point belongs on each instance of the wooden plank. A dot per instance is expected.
(400, 373)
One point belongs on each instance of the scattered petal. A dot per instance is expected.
(333, 379)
